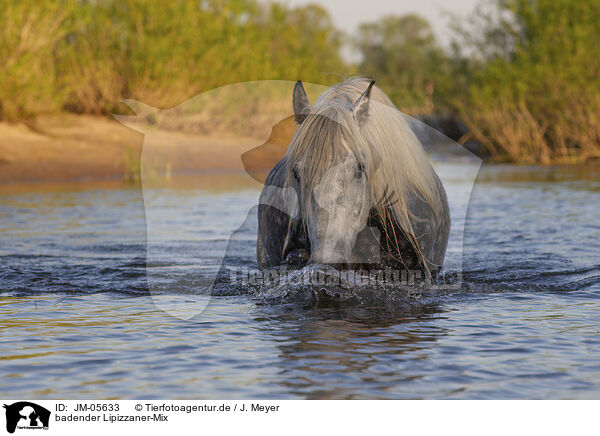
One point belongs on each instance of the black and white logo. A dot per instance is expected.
(26, 415)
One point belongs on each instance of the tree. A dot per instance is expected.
(401, 53)
(534, 87)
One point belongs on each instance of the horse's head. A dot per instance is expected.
(329, 166)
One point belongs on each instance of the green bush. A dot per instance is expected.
(30, 31)
(401, 54)
(85, 56)
(533, 90)
(523, 76)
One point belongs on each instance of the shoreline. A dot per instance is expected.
(73, 149)
(67, 149)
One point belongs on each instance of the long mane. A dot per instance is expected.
(395, 163)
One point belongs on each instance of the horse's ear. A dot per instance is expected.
(302, 106)
(361, 106)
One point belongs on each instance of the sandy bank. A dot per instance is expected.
(77, 147)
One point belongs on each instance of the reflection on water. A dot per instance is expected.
(329, 355)
(582, 177)
(77, 320)
(108, 346)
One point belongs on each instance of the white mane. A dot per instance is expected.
(395, 162)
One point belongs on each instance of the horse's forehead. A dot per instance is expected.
(340, 166)
(339, 98)
(347, 158)
(347, 101)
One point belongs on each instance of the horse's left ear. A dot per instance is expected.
(361, 106)
(302, 106)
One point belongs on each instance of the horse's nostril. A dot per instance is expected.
(323, 296)
(297, 257)
(345, 265)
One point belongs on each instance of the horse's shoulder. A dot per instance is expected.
(277, 174)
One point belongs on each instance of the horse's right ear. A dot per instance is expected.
(302, 106)
(361, 106)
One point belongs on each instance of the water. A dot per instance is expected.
(80, 318)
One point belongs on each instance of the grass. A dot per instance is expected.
(528, 88)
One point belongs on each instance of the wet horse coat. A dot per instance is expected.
(353, 152)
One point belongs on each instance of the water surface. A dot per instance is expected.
(78, 319)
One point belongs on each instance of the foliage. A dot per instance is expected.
(29, 33)
(523, 75)
(402, 55)
(86, 55)
(533, 93)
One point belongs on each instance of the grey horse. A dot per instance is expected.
(354, 190)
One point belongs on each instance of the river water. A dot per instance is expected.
(87, 312)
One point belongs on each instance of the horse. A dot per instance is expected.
(354, 190)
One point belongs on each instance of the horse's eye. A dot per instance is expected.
(359, 171)
(295, 174)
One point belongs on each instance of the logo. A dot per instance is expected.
(26, 415)
(252, 110)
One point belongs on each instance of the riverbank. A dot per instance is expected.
(67, 148)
